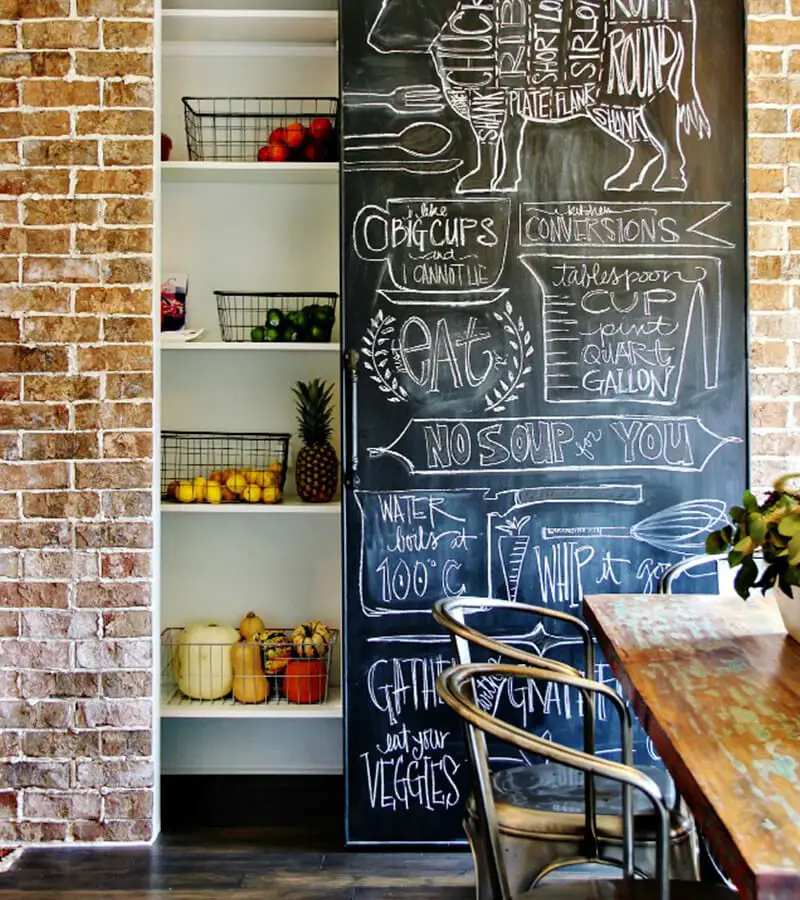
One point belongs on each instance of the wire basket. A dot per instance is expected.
(212, 467)
(235, 129)
(276, 317)
(195, 673)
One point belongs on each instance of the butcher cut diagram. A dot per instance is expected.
(629, 66)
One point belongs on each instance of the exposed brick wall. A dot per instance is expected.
(76, 149)
(774, 123)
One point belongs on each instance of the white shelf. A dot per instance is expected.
(177, 706)
(284, 26)
(290, 506)
(183, 172)
(251, 346)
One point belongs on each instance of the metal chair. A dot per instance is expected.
(714, 563)
(455, 687)
(542, 809)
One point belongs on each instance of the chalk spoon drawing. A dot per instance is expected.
(626, 65)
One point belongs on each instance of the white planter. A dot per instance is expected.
(790, 610)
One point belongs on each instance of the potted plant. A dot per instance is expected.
(770, 533)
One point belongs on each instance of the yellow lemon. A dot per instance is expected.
(214, 492)
(236, 483)
(199, 486)
(185, 492)
(227, 494)
(252, 476)
(271, 494)
(270, 479)
(216, 476)
(275, 467)
(252, 493)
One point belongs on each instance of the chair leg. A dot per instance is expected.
(481, 858)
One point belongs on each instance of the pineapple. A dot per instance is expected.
(317, 468)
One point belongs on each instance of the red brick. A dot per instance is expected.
(59, 445)
(62, 387)
(128, 445)
(33, 476)
(60, 35)
(33, 299)
(111, 300)
(61, 565)
(15, 182)
(29, 359)
(114, 121)
(62, 329)
(112, 475)
(125, 565)
(61, 268)
(113, 415)
(113, 65)
(33, 415)
(66, 152)
(129, 387)
(127, 504)
(10, 387)
(130, 535)
(65, 744)
(115, 358)
(61, 504)
(24, 535)
(58, 212)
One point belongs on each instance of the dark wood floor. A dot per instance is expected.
(300, 856)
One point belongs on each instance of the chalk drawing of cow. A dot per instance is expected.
(627, 65)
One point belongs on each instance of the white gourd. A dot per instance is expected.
(203, 667)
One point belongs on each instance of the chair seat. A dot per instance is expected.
(625, 890)
(548, 800)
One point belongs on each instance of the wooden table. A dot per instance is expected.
(716, 684)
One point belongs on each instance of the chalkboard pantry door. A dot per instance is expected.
(545, 319)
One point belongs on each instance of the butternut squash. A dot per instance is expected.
(250, 625)
(249, 682)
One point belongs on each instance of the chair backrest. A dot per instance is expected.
(451, 613)
(704, 564)
(455, 688)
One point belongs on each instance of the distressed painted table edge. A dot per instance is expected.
(774, 884)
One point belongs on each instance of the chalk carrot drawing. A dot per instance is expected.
(512, 547)
(629, 67)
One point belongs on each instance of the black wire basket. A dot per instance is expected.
(213, 467)
(276, 317)
(242, 129)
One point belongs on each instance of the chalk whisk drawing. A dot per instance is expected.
(629, 66)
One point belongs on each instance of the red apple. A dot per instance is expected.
(314, 152)
(277, 135)
(321, 129)
(274, 153)
(296, 135)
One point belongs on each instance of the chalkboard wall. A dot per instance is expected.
(544, 291)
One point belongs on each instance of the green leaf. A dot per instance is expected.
(734, 558)
(737, 513)
(750, 501)
(715, 542)
(745, 546)
(745, 578)
(757, 527)
(794, 550)
(789, 526)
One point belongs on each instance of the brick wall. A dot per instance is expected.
(76, 149)
(774, 122)
(76, 386)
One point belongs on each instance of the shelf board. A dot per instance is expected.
(284, 26)
(290, 506)
(183, 172)
(176, 706)
(249, 346)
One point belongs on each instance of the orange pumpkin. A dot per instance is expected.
(305, 681)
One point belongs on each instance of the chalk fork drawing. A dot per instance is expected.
(503, 66)
(406, 99)
(420, 140)
(680, 529)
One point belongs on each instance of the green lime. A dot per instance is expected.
(328, 313)
(257, 334)
(318, 334)
(274, 318)
(290, 333)
(273, 334)
(299, 319)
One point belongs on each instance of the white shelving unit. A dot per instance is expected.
(247, 227)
